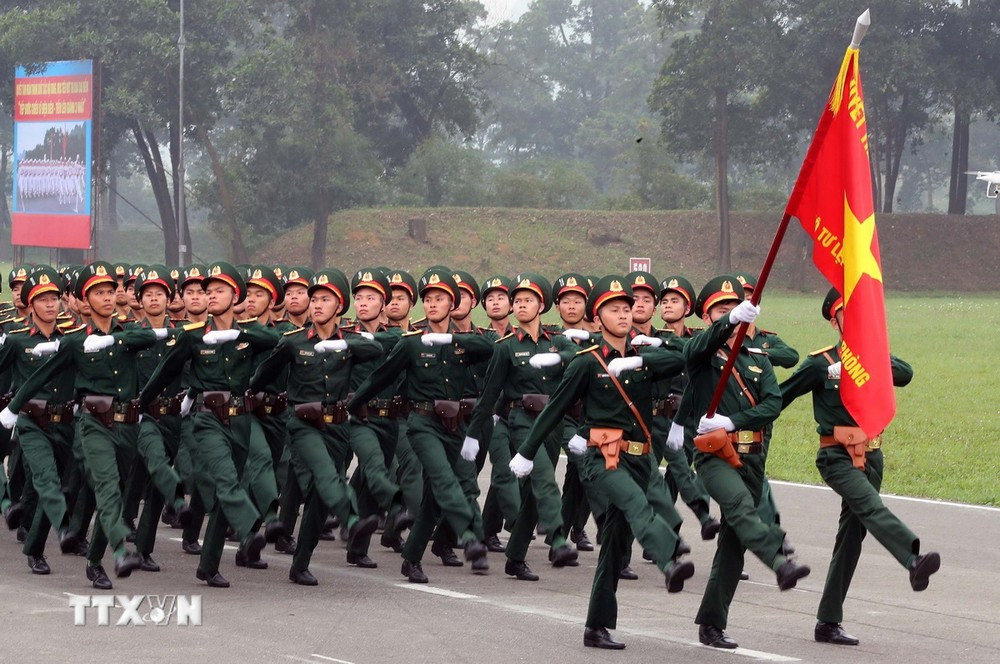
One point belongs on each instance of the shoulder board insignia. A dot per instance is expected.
(754, 368)
(827, 349)
(75, 329)
(6, 320)
(588, 350)
(246, 321)
(23, 329)
(412, 333)
(295, 331)
(123, 317)
(193, 326)
(64, 316)
(419, 320)
(67, 324)
(507, 336)
(765, 331)
(171, 341)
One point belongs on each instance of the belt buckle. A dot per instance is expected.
(743, 448)
(119, 417)
(634, 448)
(268, 409)
(55, 417)
(328, 418)
(383, 412)
(875, 443)
(744, 436)
(234, 411)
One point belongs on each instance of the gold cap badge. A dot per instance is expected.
(616, 287)
(727, 287)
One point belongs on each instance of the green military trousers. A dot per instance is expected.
(680, 476)
(48, 455)
(374, 445)
(158, 443)
(503, 499)
(861, 511)
(737, 491)
(628, 514)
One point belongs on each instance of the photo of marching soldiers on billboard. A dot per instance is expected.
(49, 169)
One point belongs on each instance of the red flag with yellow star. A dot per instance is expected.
(832, 199)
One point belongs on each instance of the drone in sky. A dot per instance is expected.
(992, 180)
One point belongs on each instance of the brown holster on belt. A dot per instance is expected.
(218, 403)
(465, 408)
(37, 410)
(610, 440)
(100, 407)
(855, 441)
(717, 442)
(310, 413)
(447, 414)
(534, 403)
(610, 443)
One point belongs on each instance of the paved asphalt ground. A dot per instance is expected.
(366, 616)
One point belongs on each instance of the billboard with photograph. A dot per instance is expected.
(53, 114)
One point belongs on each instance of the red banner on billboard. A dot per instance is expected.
(53, 111)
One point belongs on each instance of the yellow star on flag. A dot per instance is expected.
(857, 253)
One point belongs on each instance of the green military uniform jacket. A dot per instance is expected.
(431, 372)
(510, 376)
(110, 371)
(314, 376)
(828, 409)
(705, 363)
(16, 358)
(586, 379)
(778, 352)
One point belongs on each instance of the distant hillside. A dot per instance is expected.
(920, 252)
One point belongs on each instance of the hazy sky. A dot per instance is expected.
(502, 10)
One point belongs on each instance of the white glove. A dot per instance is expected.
(675, 439)
(576, 335)
(744, 312)
(520, 466)
(45, 348)
(186, 404)
(540, 360)
(96, 342)
(3, 338)
(620, 364)
(577, 444)
(367, 335)
(220, 336)
(715, 422)
(496, 418)
(470, 448)
(833, 371)
(436, 339)
(161, 333)
(140, 418)
(8, 418)
(643, 340)
(330, 345)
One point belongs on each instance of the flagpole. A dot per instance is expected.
(860, 28)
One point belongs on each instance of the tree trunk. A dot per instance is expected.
(149, 149)
(238, 250)
(4, 210)
(722, 179)
(113, 192)
(957, 203)
(320, 229)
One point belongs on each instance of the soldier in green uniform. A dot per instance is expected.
(750, 402)
(373, 437)
(319, 361)
(436, 367)
(861, 509)
(45, 428)
(614, 381)
(219, 351)
(569, 294)
(524, 371)
(503, 499)
(676, 299)
(160, 427)
(103, 355)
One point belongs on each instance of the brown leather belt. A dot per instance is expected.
(634, 448)
(390, 408)
(667, 407)
(265, 404)
(163, 406)
(747, 442)
(44, 413)
(111, 411)
(873, 443)
(222, 404)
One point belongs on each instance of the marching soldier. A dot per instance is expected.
(319, 362)
(614, 449)
(843, 451)
(219, 351)
(730, 461)
(436, 367)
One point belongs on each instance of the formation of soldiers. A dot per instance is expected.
(45, 178)
(142, 393)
